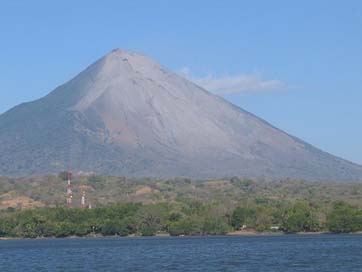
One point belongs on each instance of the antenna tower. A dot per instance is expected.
(69, 190)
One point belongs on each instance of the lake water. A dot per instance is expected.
(223, 253)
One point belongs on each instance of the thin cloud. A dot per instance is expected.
(230, 84)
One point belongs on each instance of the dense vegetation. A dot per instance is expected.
(33, 207)
(187, 218)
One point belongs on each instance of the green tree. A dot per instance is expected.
(263, 219)
(242, 216)
(151, 218)
(344, 219)
(64, 229)
(192, 225)
(215, 226)
(115, 227)
(6, 227)
(300, 218)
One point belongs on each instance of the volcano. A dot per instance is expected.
(128, 115)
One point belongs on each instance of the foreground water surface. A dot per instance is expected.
(223, 253)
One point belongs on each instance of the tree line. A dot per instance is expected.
(188, 217)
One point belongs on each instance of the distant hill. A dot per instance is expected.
(127, 115)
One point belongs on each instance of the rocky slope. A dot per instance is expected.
(127, 115)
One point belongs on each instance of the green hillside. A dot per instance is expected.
(34, 206)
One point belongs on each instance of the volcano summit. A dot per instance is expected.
(127, 115)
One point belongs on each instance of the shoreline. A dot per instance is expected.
(234, 233)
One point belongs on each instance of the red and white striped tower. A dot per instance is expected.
(69, 191)
(82, 202)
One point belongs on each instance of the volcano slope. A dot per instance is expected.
(127, 115)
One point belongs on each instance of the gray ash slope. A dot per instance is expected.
(127, 115)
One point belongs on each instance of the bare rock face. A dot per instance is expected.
(127, 115)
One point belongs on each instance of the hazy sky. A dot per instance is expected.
(297, 65)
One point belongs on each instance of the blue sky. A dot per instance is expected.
(297, 64)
